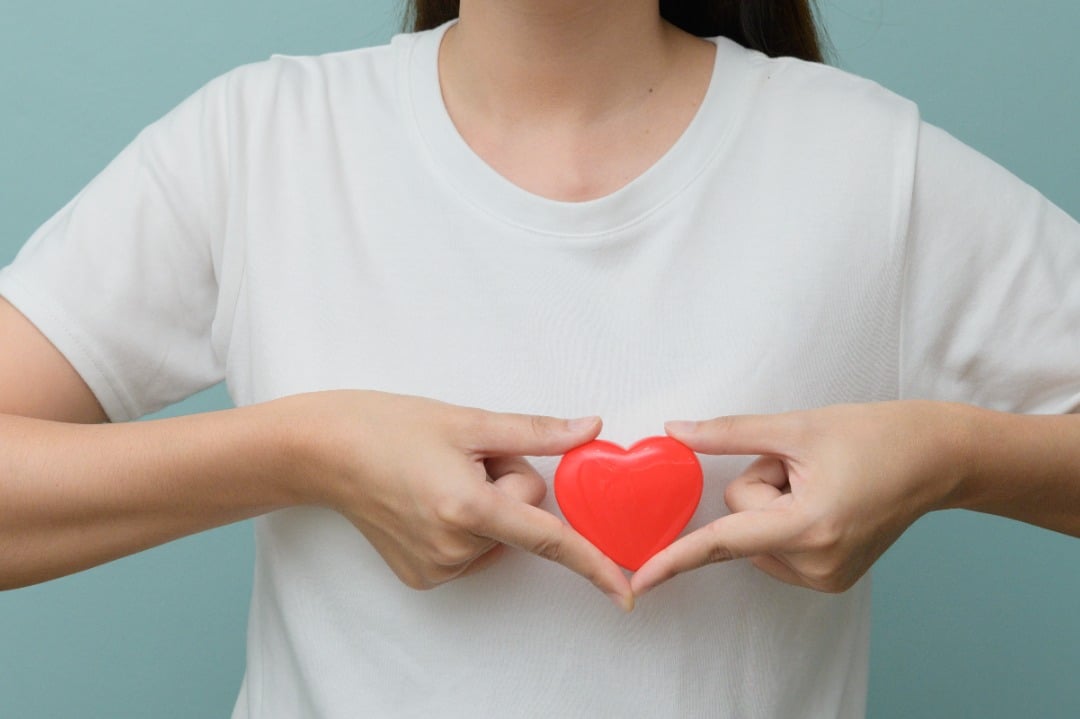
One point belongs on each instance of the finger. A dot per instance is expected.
(518, 478)
(758, 486)
(484, 561)
(778, 570)
(772, 434)
(541, 533)
(748, 493)
(503, 434)
(743, 534)
(457, 551)
(768, 469)
(413, 571)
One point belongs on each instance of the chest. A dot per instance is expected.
(689, 313)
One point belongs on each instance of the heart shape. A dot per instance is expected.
(630, 503)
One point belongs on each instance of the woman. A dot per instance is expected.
(562, 209)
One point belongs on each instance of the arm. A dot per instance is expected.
(75, 493)
(1024, 467)
(36, 380)
(989, 316)
(835, 487)
(73, 496)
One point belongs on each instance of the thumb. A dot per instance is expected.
(506, 434)
(743, 534)
(772, 434)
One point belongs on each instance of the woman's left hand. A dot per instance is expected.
(832, 490)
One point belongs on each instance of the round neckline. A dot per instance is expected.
(481, 185)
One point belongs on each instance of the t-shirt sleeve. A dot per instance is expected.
(122, 280)
(991, 311)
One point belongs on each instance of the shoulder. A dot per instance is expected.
(822, 88)
(284, 96)
(820, 130)
(808, 99)
(287, 77)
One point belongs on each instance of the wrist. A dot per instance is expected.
(960, 431)
(300, 431)
(280, 449)
(987, 455)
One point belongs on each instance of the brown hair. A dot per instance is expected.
(775, 27)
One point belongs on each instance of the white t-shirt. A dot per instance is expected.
(310, 223)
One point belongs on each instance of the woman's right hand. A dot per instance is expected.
(438, 489)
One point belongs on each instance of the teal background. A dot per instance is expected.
(974, 615)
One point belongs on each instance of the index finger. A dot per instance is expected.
(542, 533)
(742, 534)
(767, 434)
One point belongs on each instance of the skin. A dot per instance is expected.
(570, 100)
(835, 487)
(75, 493)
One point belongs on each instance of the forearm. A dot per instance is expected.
(74, 496)
(1026, 467)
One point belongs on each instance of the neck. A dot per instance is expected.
(578, 60)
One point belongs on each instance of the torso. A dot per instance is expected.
(411, 264)
(574, 161)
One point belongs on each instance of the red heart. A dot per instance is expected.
(630, 503)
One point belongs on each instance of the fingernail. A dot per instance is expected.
(577, 425)
(626, 604)
(681, 427)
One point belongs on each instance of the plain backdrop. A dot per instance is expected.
(974, 616)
